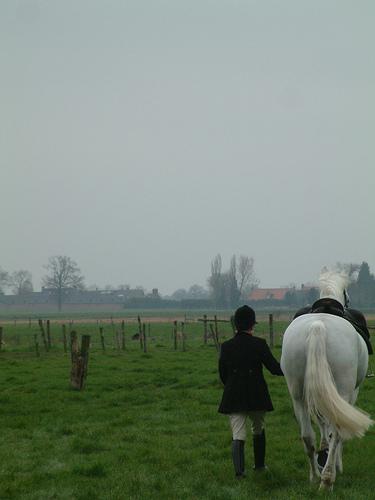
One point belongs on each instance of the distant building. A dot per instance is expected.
(305, 295)
(268, 294)
(73, 299)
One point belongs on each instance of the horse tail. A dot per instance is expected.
(321, 395)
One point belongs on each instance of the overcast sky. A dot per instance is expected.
(143, 137)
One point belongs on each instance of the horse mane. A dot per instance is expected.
(332, 284)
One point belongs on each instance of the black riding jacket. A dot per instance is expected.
(241, 371)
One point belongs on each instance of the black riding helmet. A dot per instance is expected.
(244, 318)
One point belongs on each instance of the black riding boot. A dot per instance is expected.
(259, 444)
(238, 456)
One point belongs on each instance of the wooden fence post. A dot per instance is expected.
(102, 338)
(205, 332)
(270, 321)
(183, 336)
(216, 329)
(1, 338)
(140, 331)
(49, 334)
(36, 345)
(144, 337)
(139, 325)
(123, 335)
(80, 358)
(64, 337)
(43, 333)
(175, 334)
(114, 332)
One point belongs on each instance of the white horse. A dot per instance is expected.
(324, 361)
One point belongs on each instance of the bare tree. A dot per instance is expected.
(3, 280)
(216, 266)
(216, 282)
(21, 282)
(228, 287)
(232, 290)
(246, 276)
(62, 273)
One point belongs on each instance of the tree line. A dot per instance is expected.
(362, 288)
(61, 273)
(226, 288)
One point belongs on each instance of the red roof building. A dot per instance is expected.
(268, 294)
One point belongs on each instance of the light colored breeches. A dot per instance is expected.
(238, 423)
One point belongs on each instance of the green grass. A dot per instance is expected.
(146, 425)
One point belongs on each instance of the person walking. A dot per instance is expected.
(245, 392)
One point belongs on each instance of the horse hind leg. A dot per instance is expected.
(329, 472)
(339, 466)
(325, 437)
(324, 443)
(324, 434)
(309, 445)
(308, 438)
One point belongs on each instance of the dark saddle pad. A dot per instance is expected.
(328, 306)
(357, 319)
(332, 306)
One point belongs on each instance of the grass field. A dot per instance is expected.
(146, 425)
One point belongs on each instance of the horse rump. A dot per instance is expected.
(321, 396)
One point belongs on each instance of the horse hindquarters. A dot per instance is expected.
(321, 395)
(324, 402)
